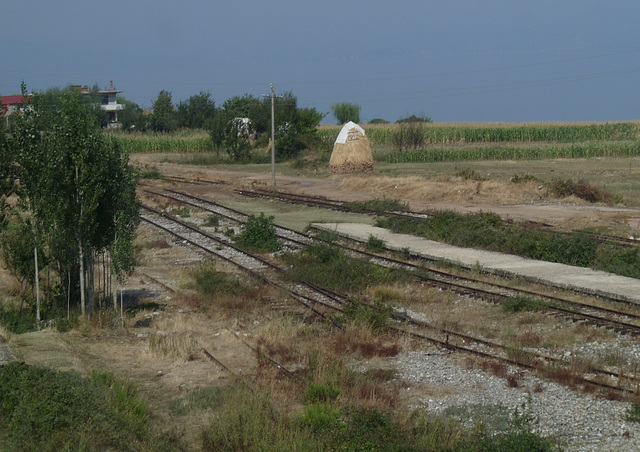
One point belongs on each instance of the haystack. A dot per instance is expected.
(351, 151)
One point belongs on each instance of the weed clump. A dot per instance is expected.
(488, 231)
(50, 410)
(583, 190)
(330, 267)
(259, 234)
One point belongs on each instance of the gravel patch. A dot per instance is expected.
(578, 422)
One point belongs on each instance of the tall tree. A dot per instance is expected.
(78, 183)
(196, 111)
(345, 112)
(163, 118)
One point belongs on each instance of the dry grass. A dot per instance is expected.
(446, 188)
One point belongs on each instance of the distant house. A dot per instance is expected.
(107, 102)
(12, 105)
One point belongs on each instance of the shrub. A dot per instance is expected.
(48, 410)
(210, 282)
(330, 267)
(581, 189)
(317, 393)
(520, 303)
(374, 244)
(259, 234)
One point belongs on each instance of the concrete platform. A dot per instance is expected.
(558, 275)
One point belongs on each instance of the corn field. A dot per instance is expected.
(435, 133)
(150, 142)
(628, 148)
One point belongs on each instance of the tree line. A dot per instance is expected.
(68, 207)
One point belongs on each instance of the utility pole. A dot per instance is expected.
(273, 138)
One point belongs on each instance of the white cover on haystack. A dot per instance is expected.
(351, 151)
(344, 133)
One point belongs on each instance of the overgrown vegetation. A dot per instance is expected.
(377, 205)
(583, 190)
(330, 267)
(489, 231)
(43, 409)
(246, 420)
(259, 234)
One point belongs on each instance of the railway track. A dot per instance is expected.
(616, 319)
(321, 301)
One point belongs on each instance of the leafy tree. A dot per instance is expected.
(345, 112)
(163, 118)
(131, 116)
(77, 183)
(414, 118)
(195, 112)
(293, 126)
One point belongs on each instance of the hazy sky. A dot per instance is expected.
(453, 60)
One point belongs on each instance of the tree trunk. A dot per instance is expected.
(82, 297)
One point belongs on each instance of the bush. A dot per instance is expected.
(374, 244)
(330, 267)
(317, 393)
(259, 234)
(48, 410)
(581, 189)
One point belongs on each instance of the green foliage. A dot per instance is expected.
(377, 205)
(523, 178)
(259, 234)
(374, 244)
(318, 416)
(319, 393)
(590, 149)
(521, 303)
(163, 118)
(211, 282)
(151, 173)
(469, 174)
(294, 127)
(330, 267)
(16, 250)
(48, 410)
(408, 136)
(488, 231)
(182, 212)
(245, 420)
(196, 112)
(131, 117)
(378, 121)
(633, 413)
(581, 189)
(345, 112)
(18, 321)
(377, 316)
(414, 118)
(76, 184)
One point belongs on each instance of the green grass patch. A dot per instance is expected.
(198, 399)
(330, 267)
(377, 205)
(48, 410)
(211, 282)
(246, 420)
(18, 321)
(520, 303)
